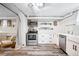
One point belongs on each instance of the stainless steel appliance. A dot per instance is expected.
(62, 42)
(32, 38)
(32, 32)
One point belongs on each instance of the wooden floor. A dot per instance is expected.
(40, 50)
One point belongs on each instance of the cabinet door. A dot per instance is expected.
(70, 48)
(45, 37)
(77, 49)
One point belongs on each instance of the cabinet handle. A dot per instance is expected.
(75, 48)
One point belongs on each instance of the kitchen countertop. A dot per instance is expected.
(69, 35)
(74, 38)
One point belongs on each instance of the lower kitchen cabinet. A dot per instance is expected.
(45, 38)
(72, 47)
(78, 49)
(69, 48)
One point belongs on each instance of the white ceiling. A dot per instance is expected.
(57, 9)
(4, 12)
(50, 9)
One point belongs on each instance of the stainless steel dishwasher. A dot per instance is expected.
(62, 42)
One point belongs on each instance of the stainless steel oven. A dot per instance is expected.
(31, 39)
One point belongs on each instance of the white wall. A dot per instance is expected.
(22, 29)
(4, 15)
(56, 35)
(48, 36)
(5, 29)
(22, 22)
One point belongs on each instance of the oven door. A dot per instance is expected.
(31, 37)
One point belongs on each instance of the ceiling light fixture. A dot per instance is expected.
(39, 5)
(36, 6)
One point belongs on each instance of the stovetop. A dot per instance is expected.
(32, 31)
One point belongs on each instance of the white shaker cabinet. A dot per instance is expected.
(69, 47)
(72, 47)
(45, 37)
(78, 49)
